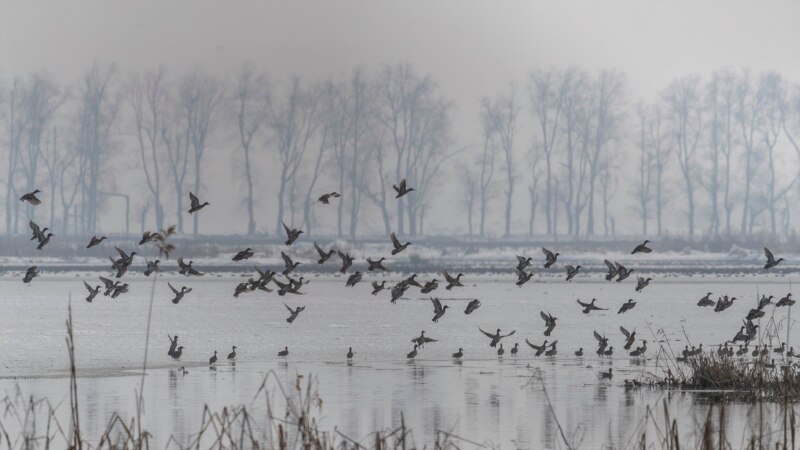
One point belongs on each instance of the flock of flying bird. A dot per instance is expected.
(291, 285)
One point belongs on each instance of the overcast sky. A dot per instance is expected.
(472, 48)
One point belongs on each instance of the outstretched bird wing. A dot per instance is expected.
(287, 307)
(584, 304)
(447, 276)
(287, 260)
(625, 332)
(437, 305)
(108, 283)
(598, 337)
(769, 255)
(610, 265)
(172, 287)
(546, 317)
(536, 347)
(193, 200)
(89, 288)
(395, 242)
(547, 253)
(319, 249)
(122, 254)
(35, 228)
(509, 334)
(487, 334)
(288, 230)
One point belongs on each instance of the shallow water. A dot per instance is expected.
(483, 399)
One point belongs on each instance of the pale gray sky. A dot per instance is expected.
(472, 48)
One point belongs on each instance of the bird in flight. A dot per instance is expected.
(195, 204)
(401, 189)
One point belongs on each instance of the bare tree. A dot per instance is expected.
(503, 113)
(251, 93)
(646, 167)
(486, 162)
(684, 107)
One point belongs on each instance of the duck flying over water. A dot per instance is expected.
(771, 261)
(430, 286)
(549, 322)
(540, 349)
(353, 279)
(325, 199)
(630, 337)
(44, 241)
(622, 272)
(572, 271)
(92, 291)
(452, 281)
(292, 234)
(187, 269)
(108, 285)
(241, 255)
(642, 248)
(378, 287)
(178, 294)
(764, 301)
(786, 301)
(496, 337)
(195, 204)
(36, 232)
(347, 261)
(627, 306)
(550, 257)
(377, 264)
(642, 283)
(523, 277)
(438, 309)
(602, 342)
(293, 313)
(398, 247)
(612, 270)
(31, 198)
(288, 263)
(411, 281)
(553, 350)
(422, 339)
(523, 262)
(472, 306)
(323, 255)
(149, 236)
(152, 267)
(589, 307)
(401, 188)
(95, 241)
(706, 301)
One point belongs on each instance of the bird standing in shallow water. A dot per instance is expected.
(459, 354)
(284, 353)
(195, 204)
(213, 359)
(500, 351)
(515, 349)
(350, 353)
(413, 353)
(232, 354)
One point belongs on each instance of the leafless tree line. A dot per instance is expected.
(723, 151)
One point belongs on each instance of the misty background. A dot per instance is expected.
(585, 119)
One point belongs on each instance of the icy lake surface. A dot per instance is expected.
(483, 399)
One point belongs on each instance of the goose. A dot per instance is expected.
(178, 294)
(430, 286)
(293, 313)
(630, 337)
(496, 337)
(377, 287)
(553, 351)
(187, 269)
(785, 301)
(642, 283)
(44, 241)
(539, 348)
(771, 261)
(452, 281)
(472, 306)
(195, 204)
(353, 279)
(149, 236)
(606, 375)
(642, 248)
(176, 355)
(613, 271)
(589, 307)
(30, 274)
(627, 306)
(706, 301)
(422, 340)
(413, 353)
(232, 354)
(500, 351)
(523, 262)
(213, 359)
(550, 257)
(95, 241)
(288, 264)
(31, 198)
(459, 354)
(515, 349)
(92, 291)
(173, 344)
(243, 254)
(325, 199)
(401, 188)
(376, 264)
(292, 234)
(36, 232)
(622, 272)
(350, 353)
(572, 271)
(323, 255)
(398, 247)
(284, 353)
(347, 261)
(579, 352)
(523, 277)
(152, 267)
(438, 309)
(549, 322)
